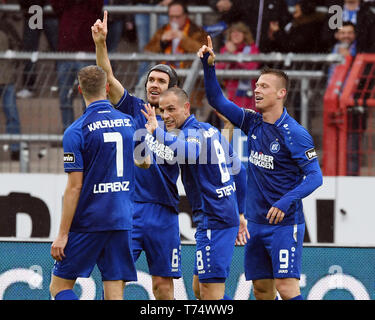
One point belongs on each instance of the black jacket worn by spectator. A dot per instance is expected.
(365, 29)
(302, 35)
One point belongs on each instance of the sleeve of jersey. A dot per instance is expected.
(187, 149)
(128, 104)
(72, 142)
(303, 152)
(215, 96)
(313, 179)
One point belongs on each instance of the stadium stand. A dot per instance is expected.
(40, 117)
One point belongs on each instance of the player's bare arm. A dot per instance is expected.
(99, 33)
(70, 202)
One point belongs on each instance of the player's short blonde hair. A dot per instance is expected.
(92, 80)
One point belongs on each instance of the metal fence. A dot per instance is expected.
(40, 116)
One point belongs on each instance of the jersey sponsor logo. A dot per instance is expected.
(193, 140)
(226, 191)
(282, 271)
(103, 124)
(261, 160)
(250, 110)
(161, 150)
(275, 146)
(69, 157)
(107, 187)
(311, 154)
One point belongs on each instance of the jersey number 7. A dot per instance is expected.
(117, 138)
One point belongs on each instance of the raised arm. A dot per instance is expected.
(99, 34)
(214, 93)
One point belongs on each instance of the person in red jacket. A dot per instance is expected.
(239, 41)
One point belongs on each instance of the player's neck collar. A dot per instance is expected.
(98, 103)
(282, 118)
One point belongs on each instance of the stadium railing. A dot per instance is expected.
(349, 143)
(40, 116)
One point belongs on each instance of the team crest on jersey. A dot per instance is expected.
(275, 146)
(69, 157)
(311, 154)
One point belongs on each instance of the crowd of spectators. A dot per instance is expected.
(236, 26)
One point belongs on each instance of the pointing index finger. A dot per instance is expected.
(105, 17)
(209, 42)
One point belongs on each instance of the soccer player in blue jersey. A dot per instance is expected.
(207, 164)
(155, 224)
(283, 168)
(96, 219)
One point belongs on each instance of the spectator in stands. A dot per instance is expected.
(116, 24)
(360, 14)
(180, 35)
(31, 39)
(239, 41)
(142, 24)
(258, 14)
(9, 40)
(142, 21)
(227, 14)
(75, 20)
(302, 34)
(346, 40)
(345, 45)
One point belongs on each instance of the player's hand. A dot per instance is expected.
(243, 233)
(152, 122)
(99, 30)
(58, 246)
(275, 215)
(209, 48)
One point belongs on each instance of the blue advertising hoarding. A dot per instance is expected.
(328, 273)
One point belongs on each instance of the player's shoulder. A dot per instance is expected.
(118, 114)
(294, 133)
(207, 130)
(127, 97)
(250, 113)
(291, 125)
(76, 126)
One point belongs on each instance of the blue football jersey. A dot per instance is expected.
(205, 158)
(100, 144)
(158, 184)
(278, 154)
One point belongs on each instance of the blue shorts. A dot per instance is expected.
(156, 232)
(110, 250)
(274, 251)
(214, 252)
